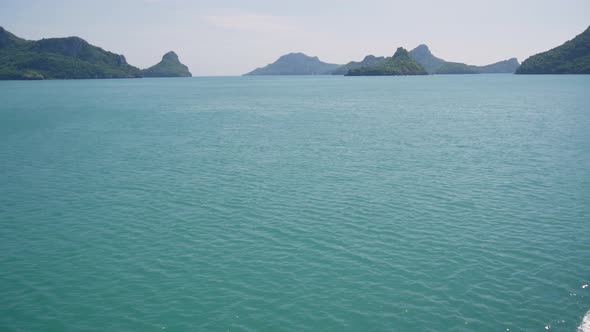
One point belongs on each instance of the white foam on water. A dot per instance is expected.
(585, 325)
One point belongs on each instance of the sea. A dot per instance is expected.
(311, 203)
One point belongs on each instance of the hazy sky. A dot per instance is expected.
(235, 36)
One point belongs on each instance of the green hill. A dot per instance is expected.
(59, 58)
(7, 39)
(170, 66)
(295, 64)
(401, 63)
(369, 60)
(573, 57)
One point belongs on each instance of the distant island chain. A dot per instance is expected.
(75, 58)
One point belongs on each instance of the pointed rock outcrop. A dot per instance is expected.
(170, 66)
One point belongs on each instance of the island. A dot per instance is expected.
(295, 64)
(170, 66)
(59, 58)
(573, 57)
(400, 64)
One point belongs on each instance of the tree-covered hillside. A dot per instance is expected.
(59, 58)
(573, 57)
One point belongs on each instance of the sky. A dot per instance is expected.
(232, 37)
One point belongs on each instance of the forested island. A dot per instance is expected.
(573, 57)
(400, 64)
(59, 58)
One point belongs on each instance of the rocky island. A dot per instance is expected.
(170, 66)
(400, 64)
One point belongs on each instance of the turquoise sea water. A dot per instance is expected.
(439, 203)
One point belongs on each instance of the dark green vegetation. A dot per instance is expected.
(369, 60)
(573, 57)
(59, 58)
(170, 66)
(296, 64)
(401, 63)
(436, 65)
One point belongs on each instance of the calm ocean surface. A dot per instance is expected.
(439, 203)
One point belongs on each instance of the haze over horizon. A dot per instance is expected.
(232, 38)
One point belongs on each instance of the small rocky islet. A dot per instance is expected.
(170, 66)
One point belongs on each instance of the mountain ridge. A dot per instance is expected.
(435, 65)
